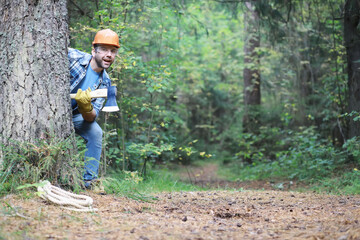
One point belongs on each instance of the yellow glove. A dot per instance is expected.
(83, 100)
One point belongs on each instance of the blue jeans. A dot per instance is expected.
(92, 133)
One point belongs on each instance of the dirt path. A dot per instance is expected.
(190, 215)
(207, 176)
(237, 214)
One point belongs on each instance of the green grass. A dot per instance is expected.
(131, 185)
(346, 183)
(255, 171)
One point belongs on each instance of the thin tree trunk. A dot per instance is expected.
(352, 44)
(252, 94)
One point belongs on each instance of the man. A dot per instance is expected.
(87, 73)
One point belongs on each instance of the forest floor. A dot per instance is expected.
(212, 214)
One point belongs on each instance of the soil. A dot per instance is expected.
(215, 214)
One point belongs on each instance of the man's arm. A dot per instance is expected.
(89, 116)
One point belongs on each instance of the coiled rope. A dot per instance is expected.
(66, 200)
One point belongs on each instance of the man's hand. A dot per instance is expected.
(83, 100)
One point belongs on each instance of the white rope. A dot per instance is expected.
(66, 200)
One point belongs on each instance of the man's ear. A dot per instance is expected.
(93, 52)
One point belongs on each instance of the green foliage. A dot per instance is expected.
(262, 146)
(302, 156)
(179, 75)
(131, 185)
(154, 86)
(352, 146)
(51, 159)
(345, 183)
(309, 157)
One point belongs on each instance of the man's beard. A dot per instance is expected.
(99, 63)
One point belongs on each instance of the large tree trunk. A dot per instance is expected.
(34, 92)
(352, 44)
(252, 94)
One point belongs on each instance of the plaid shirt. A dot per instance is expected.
(78, 65)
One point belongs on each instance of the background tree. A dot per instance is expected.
(352, 44)
(252, 78)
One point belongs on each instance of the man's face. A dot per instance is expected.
(104, 55)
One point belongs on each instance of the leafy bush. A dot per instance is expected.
(262, 146)
(352, 146)
(51, 159)
(305, 156)
(309, 157)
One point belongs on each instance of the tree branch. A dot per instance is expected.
(82, 12)
(288, 14)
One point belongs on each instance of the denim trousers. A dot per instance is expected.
(92, 134)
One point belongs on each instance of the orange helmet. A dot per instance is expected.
(108, 37)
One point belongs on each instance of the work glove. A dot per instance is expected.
(83, 100)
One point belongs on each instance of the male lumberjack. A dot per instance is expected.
(88, 73)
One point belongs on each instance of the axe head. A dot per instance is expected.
(111, 104)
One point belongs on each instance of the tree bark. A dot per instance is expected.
(352, 44)
(252, 94)
(34, 92)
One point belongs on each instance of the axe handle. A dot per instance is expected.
(98, 93)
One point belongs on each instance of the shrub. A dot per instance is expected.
(51, 159)
(301, 155)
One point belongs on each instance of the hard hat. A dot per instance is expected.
(108, 37)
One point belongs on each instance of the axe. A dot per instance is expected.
(109, 93)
